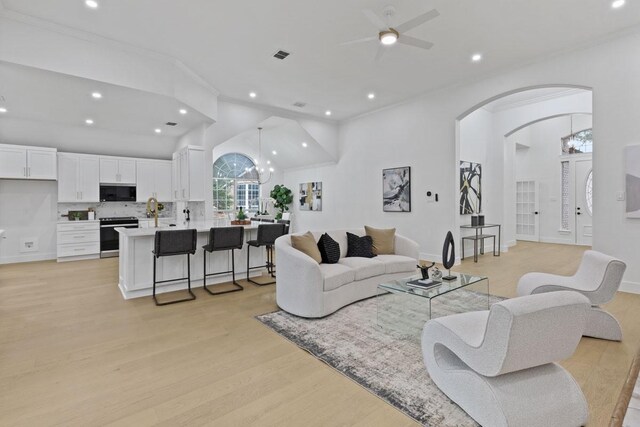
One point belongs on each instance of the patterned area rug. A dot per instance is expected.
(376, 342)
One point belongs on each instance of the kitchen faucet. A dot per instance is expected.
(155, 209)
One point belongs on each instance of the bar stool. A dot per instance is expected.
(267, 235)
(171, 243)
(223, 239)
(287, 224)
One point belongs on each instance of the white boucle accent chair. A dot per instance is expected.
(498, 365)
(598, 278)
(308, 289)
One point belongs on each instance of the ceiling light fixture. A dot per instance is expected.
(3, 110)
(327, 113)
(182, 111)
(271, 169)
(274, 152)
(268, 162)
(476, 57)
(253, 94)
(617, 4)
(371, 95)
(388, 37)
(158, 130)
(304, 144)
(93, 4)
(89, 121)
(96, 95)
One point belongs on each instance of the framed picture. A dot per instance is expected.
(311, 196)
(470, 188)
(396, 189)
(632, 179)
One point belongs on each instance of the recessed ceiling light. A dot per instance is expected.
(617, 4)
(304, 144)
(3, 110)
(274, 152)
(388, 37)
(158, 130)
(93, 4)
(268, 162)
(327, 113)
(371, 95)
(96, 95)
(476, 57)
(271, 169)
(182, 111)
(89, 121)
(252, 94)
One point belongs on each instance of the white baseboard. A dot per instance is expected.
(28, 258)
(556, 240)
(630, 287)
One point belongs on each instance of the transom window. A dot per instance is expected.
(235, 183)
(579, 142)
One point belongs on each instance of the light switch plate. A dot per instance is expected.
(620, 196)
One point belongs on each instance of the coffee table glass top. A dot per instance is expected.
(443, 287)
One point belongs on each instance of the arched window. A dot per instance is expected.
(235, 183)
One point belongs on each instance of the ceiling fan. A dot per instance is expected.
(389, 35)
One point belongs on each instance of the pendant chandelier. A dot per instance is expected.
(264, 175)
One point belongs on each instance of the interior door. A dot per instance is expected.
(41, 164)
(584, 202)
(527, 214)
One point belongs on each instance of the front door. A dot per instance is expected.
(584, 202)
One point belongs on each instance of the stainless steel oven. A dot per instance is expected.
(109, 237)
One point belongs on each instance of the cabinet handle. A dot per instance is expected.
(29, 171)
(24, 172)
(81, 198)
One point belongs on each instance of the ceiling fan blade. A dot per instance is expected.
(379, 53)
(375, 19)
(412, 41)
(418, 20)
(364, 40)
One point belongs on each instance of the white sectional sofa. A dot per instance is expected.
(308, 289)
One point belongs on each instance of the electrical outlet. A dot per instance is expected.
(620, 196)
(29, 244)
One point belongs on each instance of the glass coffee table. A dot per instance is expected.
(417, 299)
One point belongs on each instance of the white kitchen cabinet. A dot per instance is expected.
(116, 170)
(188, 172)
(78, 240)
(78, 178)
(21, 162)
(154, 180)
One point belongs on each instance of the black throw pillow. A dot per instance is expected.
(359, 246)
(329, 249)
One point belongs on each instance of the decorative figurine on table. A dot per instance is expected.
(448, 255)
(424, 269)
(436, 274)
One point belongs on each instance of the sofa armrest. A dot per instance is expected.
(299, 282)
(407, 247)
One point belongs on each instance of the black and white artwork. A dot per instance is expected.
(470, 188)
(396, 189)
(632, 170)
(311, 196)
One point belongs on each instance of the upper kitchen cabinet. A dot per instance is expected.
(20, 162)
(188, 174)
(79, 178)
(116, 170)
(153, 180)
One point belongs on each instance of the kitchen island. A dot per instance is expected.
(136, 259)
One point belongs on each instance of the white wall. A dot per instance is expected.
(422, 133)
(28, 209)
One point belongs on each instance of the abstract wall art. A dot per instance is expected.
(470, 188)
(632, 170)
(311, 196)
(396, 189)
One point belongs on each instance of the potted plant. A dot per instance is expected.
(283, 198)
(241, 218)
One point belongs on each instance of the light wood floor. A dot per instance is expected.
(73, 352)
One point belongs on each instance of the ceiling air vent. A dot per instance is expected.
(171, 123)
(281, 54)
(300, 104)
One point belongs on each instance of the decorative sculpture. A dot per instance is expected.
(424, 269)
(448, 255)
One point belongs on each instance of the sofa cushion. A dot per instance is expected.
(359, 246)
(384, 240)
(397, 263)
(306, 243)
(364, 267)
(329, 249)
(336, 275)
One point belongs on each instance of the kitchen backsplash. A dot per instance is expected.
(118, 209)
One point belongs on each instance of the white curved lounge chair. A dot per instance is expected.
(498, 365)
(598, 278)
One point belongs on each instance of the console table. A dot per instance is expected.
(480, 236)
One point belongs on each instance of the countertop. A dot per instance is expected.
(82, 221)
(201, 226)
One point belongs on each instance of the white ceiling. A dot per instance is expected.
(531, 96)
(50, 97)
(231, 43)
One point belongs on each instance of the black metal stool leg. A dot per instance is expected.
(191, 296)
(237, 286)
(268, 266)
